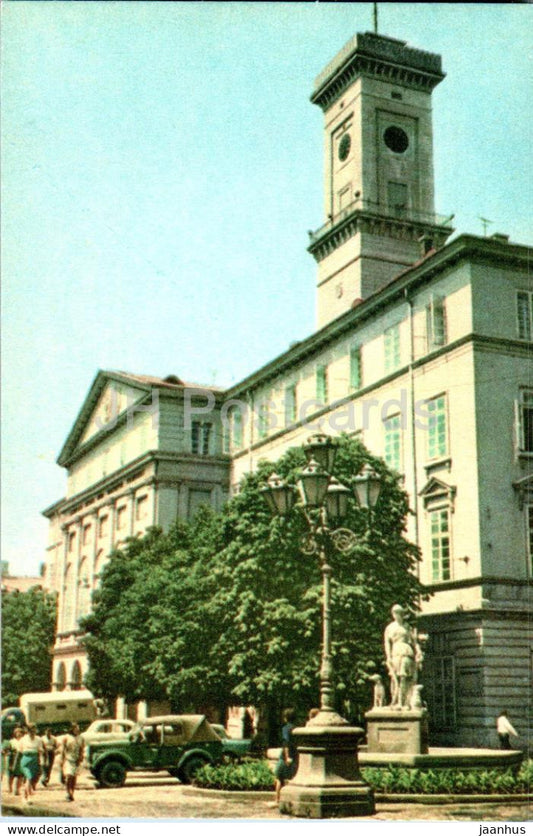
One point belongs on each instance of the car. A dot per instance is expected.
(232, 747)
(177, 743)
(106, 729)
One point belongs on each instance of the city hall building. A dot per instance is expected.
(422, 349)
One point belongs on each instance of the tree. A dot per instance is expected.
(28, 629)
(227, 609)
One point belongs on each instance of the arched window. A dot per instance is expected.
(84, 589)
(75, 676)
(98, 568)
(69, 599)
(61, 677)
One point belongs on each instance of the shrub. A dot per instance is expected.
(247, 775)
(395, 779)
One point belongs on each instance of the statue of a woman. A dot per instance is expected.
(403, 656)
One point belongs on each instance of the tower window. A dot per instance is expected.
(396, 139)
(397, 196)
(396, 95)
(344, 147)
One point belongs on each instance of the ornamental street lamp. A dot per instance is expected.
(328, 783)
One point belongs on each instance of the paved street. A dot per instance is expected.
(162, 797)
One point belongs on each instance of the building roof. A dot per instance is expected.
(143, 383)
(495, 250)
(20, 584)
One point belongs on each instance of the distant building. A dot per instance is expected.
(18, 583)
(423, 351)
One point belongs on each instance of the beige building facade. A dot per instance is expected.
(423, 350)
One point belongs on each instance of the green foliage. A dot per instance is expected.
(451, 781)
(247, 775)
(227, 609)
(28, 627)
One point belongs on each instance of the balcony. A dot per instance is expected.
(379, 211)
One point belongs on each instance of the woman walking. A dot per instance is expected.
(12, 752)
(31, 756)
(71, 758)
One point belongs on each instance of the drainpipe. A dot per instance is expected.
(412, 421)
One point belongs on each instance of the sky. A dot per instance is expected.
(162, 164)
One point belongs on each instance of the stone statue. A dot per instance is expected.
(379, 690)
(403, 656)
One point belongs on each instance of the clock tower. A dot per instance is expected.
(378, 162)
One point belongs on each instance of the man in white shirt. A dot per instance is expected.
(504, 729)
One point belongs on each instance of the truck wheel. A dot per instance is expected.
(190, 768)
(112, 774)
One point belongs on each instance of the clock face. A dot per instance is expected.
(344, 147)
(396, 139)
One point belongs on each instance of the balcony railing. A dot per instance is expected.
(398, 212)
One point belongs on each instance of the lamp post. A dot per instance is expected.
(327, 783)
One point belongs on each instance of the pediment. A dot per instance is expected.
(107, 401)
(435, 489)
(114, 400)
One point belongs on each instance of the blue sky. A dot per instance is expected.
(162, 164)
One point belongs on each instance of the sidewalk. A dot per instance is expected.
(148, 796)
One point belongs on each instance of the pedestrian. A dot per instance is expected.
(71, 758)
(50, 748)
(32, 754)
(12, 752)
(504, 729)
(288, 760)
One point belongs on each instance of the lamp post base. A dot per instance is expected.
(327, 784)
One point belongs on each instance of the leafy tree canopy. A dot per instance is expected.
(227, 608)
(28, 627)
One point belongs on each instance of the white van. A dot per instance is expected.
(58, 709)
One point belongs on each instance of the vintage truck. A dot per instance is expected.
(177, 743)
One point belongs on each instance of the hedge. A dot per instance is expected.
(257, 775)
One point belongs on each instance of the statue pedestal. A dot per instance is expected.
(327, 783)
(397, 730)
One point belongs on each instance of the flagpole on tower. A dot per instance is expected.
(375, 18)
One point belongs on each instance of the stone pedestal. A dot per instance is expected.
(327, 784)
(397, 731)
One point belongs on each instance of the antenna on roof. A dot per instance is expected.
(375, 18)
(485, 223)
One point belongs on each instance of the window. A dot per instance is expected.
(440, 690)
(322, 384)
(291, 406)
(529, 524)
(437, 441)
(121, 517)
(355, 368)
(440, 545)
(200, 437)
(236, 428)
(525, 421)
(71, 541)
(262, 420)
(397, 198)
(141, 507)
(103, 525)
(393, 442)
(86, 534)
(436, 323)
(392, 348)
(524, 314)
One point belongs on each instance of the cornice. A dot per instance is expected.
(375, 56)
(374, 223)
